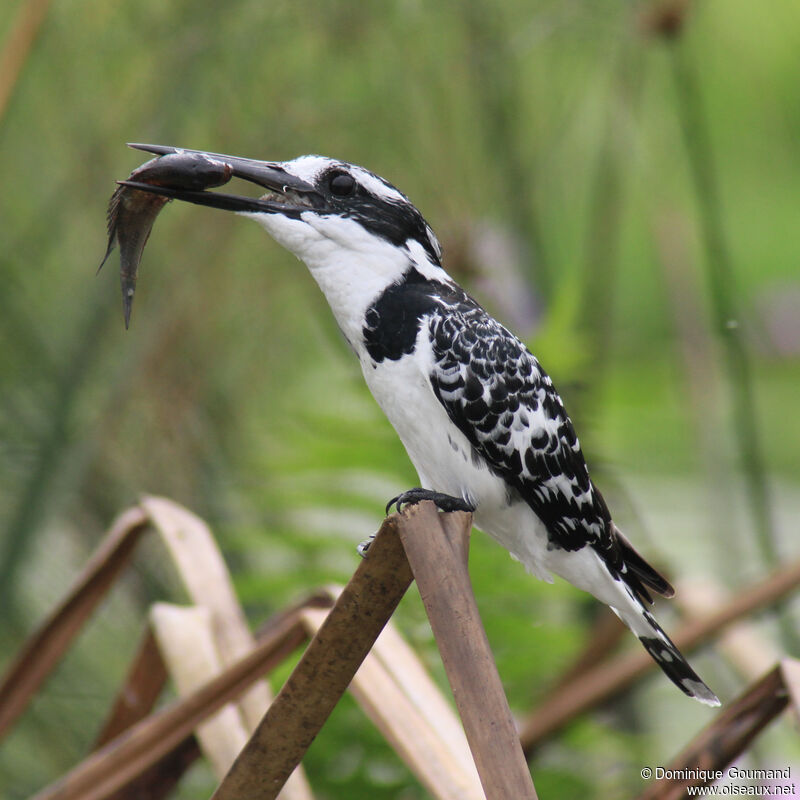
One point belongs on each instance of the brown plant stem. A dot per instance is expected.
(18, 45)
(612, 677)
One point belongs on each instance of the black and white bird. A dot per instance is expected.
(480, 419)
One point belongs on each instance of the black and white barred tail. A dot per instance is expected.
(676, 668)
(666, 655)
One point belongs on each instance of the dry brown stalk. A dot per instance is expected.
(437, 549)
(436, 546)
(323, 673)
(205, 575)
(187, 643)
(45, 647)
(421, 542)
(201, 569)
(731, 732)
(136, 697)
(398, 695)
(18, 44)
(140, 747)
(613, 677)
(746, 647)
(158, 781)
(406, 669)
(606, 633)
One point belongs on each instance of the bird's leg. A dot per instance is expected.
(442, 501)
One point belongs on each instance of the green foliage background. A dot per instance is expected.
(555, 125)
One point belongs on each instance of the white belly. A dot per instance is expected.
(446, 462)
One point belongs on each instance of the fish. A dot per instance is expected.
(132, 212)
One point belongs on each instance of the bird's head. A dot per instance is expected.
(323, 210)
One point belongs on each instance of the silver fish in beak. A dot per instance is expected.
(132, 211)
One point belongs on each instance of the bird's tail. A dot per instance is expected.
(664, 652)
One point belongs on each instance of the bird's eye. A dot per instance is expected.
(342, 184)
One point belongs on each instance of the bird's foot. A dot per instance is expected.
(442, 501)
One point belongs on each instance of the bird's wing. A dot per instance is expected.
(500, 398)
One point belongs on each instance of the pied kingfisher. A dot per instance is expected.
(479, 417)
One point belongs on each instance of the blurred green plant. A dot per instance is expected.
(233, 392)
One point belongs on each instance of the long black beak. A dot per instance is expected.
(289, 194)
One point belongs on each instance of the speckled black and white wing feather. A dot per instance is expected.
(500, 398)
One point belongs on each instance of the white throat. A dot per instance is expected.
(352, 266)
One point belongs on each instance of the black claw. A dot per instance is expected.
(392, 502)
(444, 502)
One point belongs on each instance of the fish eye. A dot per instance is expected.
(342, 184)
